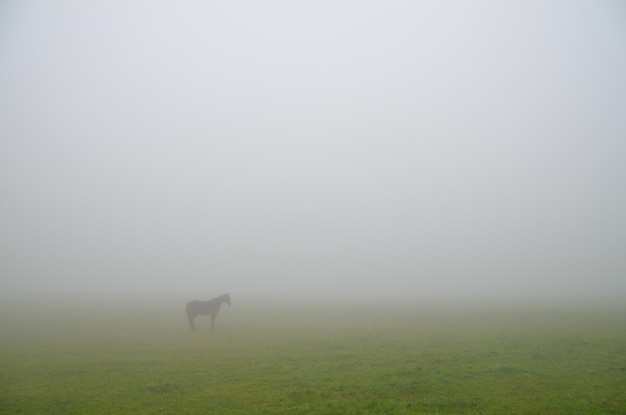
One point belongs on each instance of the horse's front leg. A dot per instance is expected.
(190, 317)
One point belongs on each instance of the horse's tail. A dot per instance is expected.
(191, 314)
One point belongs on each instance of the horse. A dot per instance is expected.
(203, 308)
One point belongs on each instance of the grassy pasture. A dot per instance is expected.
(307, 359)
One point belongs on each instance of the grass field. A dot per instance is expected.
(308, 359)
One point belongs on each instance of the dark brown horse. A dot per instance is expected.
(203, 308)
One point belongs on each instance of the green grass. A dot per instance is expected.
(313, 360)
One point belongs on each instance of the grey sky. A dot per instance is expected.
(426, 149)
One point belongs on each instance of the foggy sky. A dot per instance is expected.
(427, 149)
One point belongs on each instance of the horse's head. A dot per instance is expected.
(227, 299)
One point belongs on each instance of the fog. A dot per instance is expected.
(313, 149)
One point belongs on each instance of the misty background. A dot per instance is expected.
(362, 149)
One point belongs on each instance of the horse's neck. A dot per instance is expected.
(217, 301)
